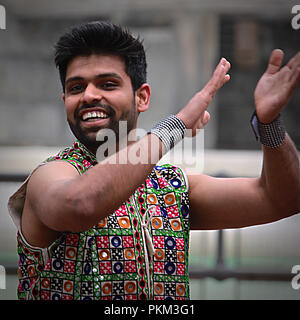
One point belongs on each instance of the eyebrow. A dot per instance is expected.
(98, 76)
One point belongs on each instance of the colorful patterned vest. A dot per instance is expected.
(109, 261)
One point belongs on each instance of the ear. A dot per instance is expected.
(63, 97)
(142, 97)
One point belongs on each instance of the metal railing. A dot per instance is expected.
(222, 272)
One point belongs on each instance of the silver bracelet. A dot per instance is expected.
(170, 131)
(270, 134)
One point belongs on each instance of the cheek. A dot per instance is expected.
(123, 101)
(70, 107)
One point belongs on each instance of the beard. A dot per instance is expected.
(88, 136)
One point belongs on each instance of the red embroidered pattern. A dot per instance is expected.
(108, 261)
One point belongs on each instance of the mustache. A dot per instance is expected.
(107, 108)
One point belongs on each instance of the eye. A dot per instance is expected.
(109, 85)
(76, 88)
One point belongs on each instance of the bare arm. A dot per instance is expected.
(240, 202)
(58, 199)
(281, 177)
(222, 203)
(70, 202)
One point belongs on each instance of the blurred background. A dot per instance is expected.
(184, 41)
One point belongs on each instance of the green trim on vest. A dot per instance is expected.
(107, 261)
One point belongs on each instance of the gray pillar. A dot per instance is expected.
(198, 53)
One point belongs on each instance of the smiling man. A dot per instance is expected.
(88, 109)
(97, 230)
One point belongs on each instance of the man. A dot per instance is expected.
(89, 230)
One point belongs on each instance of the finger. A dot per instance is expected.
(290, 73)
(295, 76)
(227, 78)
(219, 77)
(223, 66)
(289, 79)
(294, 79)
(206, 118)
(294, 63)
(275, 61)
(227, 66)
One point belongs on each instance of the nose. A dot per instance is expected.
(91, 94)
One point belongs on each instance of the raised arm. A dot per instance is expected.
(239, 202)
(58, 199)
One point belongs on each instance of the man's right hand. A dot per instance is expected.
(194, 114)
(58, 199)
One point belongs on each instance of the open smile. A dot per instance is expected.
(93, 116)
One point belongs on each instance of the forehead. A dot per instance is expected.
(87, 66)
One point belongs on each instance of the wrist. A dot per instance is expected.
(170, 131)
(270, 134)
(266, 119)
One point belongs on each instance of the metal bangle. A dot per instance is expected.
(270, 134)
(170, 131)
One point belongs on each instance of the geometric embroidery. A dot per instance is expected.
(108, 261)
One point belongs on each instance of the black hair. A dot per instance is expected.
(102, 37)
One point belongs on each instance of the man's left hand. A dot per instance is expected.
(276, 86)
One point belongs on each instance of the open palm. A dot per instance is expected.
(276, 86)
(195, 115)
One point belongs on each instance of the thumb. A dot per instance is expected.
(275, 61)
(206, 118)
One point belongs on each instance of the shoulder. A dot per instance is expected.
(66, 164)
(40, 197)
(48, 173)
(76, 155)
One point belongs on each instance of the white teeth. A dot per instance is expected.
(94, 114)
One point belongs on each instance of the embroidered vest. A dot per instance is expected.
(110, 261)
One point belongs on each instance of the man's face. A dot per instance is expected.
(98, 95)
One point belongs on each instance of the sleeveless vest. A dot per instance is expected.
(111, 260)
